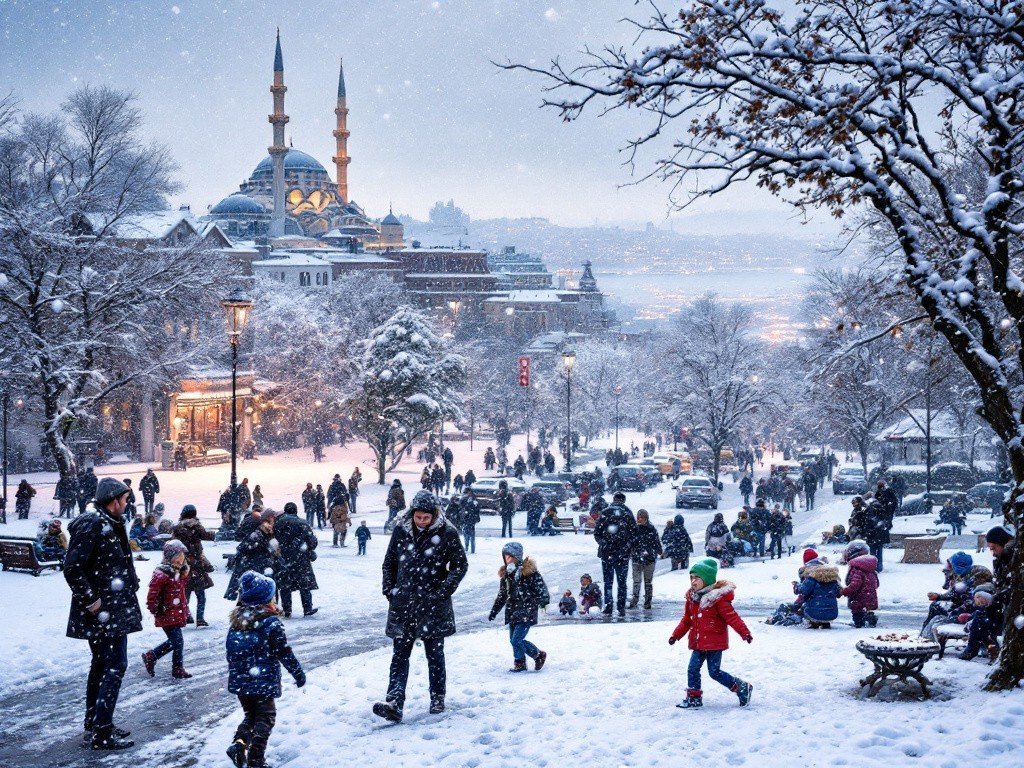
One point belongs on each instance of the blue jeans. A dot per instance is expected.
(614, 572)
(469, 537)
(200, 602)
(521, 647)
(174, 645)
(876, 550)
(109, 661)
(362, 547)
(759, 543)
(714, 660)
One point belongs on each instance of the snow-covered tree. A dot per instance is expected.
(710, 363)
(83, 313)
(406, 382)
(838, 103)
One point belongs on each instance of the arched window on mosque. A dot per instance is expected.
(304, 278)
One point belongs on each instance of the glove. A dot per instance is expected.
(671, 641)
(300, 679)
(963, 618)
(749, 638)
(490, 617)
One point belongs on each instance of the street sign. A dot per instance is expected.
(524, 371)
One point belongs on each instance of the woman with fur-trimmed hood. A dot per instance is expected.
(522, 592)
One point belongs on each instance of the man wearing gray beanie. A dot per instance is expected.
(104, 608)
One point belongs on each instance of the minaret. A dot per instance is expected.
(341, 134)
(278, 150)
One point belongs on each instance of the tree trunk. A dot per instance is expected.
(381, 457)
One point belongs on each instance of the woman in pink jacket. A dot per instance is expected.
(861, 583)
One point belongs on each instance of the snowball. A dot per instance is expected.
(3, 279)
(551, 15)
(57, 306)
(435, 539)
(103, 617)
(116, 585)
(1019, 622)
(176, 601)
(254, 671)
(428, 551)
(268, 571)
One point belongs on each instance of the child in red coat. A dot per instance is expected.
(707, 616)
(167, 602)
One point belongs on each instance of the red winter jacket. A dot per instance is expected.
(862, 584)
(166, 598)
(708, 617)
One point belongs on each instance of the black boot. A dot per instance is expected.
(105, 739)
(237, 753)
(437, 705)
(389, 710)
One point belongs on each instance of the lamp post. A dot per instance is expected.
(237, 306)
(568, 361)
(618, 394)
(3, 501)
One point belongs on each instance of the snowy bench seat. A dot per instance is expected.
(21, 556)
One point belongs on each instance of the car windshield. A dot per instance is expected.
(851, 472)
(696, 482)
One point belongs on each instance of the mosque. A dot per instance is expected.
(290, 194)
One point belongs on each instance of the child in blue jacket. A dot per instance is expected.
(256, 649)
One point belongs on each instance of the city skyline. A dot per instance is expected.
(424, 127)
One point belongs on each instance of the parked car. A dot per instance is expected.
(627, 477)
(849, 480)
(953, 476)
(979, 495)
(697, 492)
(554, 491)
(663, 461)
(486, 492)
(914, 505)
(649, 467)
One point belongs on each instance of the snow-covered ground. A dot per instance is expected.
(599, 674)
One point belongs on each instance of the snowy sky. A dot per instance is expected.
(431, 117)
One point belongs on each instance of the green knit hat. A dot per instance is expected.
(706, 570)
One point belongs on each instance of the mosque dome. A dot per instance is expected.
(236, 204)
(392, 220)
(294, 161)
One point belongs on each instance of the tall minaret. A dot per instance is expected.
(341, 134)
(278, 150)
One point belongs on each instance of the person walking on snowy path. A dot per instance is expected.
(257, 648)
(353, 489)
(395, 504)
(149, 485)
(644, 552)
(423, 567)
(167, 602)
(104, 607)
(614, 534)
(298, 551)
(190, 532)
(707, 616)
(506, 508)
(522, 593)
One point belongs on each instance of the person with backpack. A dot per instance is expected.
(363, 535)
(677, 543)
(506, 508)
(470, 508)
(614, 534)
(395, 503)
(257, 648)
(522, 593)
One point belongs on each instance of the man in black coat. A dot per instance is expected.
(1002, 545)
(614, 533)
(759, 521)
(337, 493)
(646, 549)
(255, 551)
(150, 487)
(104, 608)
(66, 494)
(86, 488)
(470, 512)
(297, 551)
(309, 504)
(877, 522)
(533, 503)
(448, 458)
(422, 569)
(506, 508)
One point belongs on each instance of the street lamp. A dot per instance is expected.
(618, 394)
(568, 361)
(237, 306)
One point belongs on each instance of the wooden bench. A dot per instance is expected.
(922, 549)
(956, 633)
(565, 524)
(21, 556)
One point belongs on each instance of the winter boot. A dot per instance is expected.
(149, 659)
(121, 733)
(190, 620)
(607, 610)
(693, 700)
(539, 660)
(311, 612)
(389, 710)
(437, 705)
(180, 673)
(519, 665)
(237, 753)
(872, 619)
(743, 691)
(647, 604)
(104, 739)
(633, 603)
(201, 623)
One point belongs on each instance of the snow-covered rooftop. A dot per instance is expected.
(527, 296)
(943, 427)
(293, 260)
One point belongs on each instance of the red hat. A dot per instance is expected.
(809, 554)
